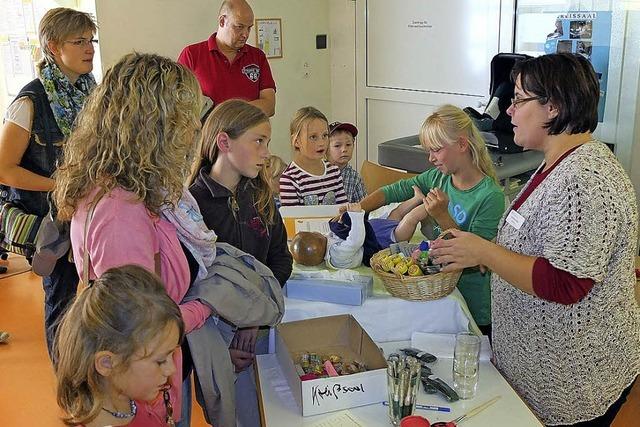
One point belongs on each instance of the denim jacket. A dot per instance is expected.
(37, 158)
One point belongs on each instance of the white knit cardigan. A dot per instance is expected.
(571, 362)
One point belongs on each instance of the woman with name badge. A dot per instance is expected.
(566, 325)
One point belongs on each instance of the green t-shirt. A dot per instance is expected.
(477, 210)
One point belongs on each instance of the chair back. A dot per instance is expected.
(375, 176)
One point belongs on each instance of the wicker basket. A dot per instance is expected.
(415, 288)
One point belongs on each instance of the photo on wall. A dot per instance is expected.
(584, 48)
(564, 46)
(580, 29)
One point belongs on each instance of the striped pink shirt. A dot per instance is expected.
(298, 187)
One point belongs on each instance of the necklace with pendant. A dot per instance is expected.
(169, 407)
(133, 407)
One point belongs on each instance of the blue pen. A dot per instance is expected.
(426, 407)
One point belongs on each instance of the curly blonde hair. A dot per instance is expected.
(122, 312)
(448, 123)
(136, 131)
(234, 117)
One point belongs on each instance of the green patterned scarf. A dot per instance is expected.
(65, 98)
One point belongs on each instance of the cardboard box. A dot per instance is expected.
(336, 291)
(332, 335)
(307, 218)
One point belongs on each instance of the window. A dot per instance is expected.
(19, 44)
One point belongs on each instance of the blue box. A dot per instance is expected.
(336, 291)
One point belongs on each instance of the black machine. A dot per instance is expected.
(495, 118)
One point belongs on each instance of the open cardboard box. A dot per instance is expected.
(307, 218)
(340, 335)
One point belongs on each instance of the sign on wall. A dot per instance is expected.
(269, 37)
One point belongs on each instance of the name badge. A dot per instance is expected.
(515, 219)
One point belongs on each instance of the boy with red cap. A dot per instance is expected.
(342, 138)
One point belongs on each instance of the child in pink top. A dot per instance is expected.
(122, 231)
(114, 352)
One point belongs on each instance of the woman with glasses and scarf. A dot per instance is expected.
(35, 125)
(566, 325)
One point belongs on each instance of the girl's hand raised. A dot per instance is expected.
(437, 203)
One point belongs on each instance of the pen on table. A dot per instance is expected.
(426, 407)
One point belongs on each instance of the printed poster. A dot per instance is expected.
(269, 35)
(587, 34)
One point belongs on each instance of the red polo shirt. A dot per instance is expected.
(244, 78)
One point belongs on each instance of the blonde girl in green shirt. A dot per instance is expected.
(461, 191)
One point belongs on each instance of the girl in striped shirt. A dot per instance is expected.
(309, 179)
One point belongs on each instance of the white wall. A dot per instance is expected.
(410, 60)
(342, 48)
(166, 26)
(624, 73)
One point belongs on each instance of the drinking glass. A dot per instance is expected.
(466, 357)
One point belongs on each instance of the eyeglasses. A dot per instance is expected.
(517, 101)
(83, 42)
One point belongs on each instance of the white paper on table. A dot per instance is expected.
(341, 419)
(442, 345)
(320, 225)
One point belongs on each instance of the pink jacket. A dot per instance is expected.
(122, 231)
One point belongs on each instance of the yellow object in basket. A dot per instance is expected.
(397, 258)
(386, 264)
(414, 270)
(400, 268)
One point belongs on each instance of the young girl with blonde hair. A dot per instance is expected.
(461, 192)
(128, 158)
(114, 351)
(310, 179)
(233, 190)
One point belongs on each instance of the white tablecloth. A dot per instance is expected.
(281, 410)
(386, 318)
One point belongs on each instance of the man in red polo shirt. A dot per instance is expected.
(226, 66)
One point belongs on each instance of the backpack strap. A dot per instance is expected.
(87, 259)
